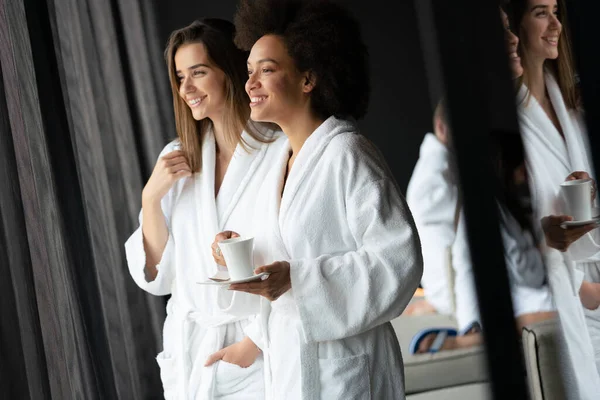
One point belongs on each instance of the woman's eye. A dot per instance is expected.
(265, 70)
(198, 73)
(249, 72)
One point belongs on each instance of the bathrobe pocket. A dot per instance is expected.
(240, 383)
(168, 374)
(345, 378)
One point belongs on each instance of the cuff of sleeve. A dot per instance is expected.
(254, 332)
(302, 301)
(578, 277)
(136, 260)
(584, 248)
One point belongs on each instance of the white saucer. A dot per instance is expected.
(260, 277)
(595, 220)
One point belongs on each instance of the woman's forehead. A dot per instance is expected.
(268, 47)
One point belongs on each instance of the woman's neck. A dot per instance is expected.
(537, 84)
(537, 87)
(299, 128)
(223, 148)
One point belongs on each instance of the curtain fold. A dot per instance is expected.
(84, 113)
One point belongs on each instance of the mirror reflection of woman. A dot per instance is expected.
(554, 135)
(204, 182)
(335, 232)
(531, 298)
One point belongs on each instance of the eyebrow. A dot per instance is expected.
(542, 6)
(194, 67)
(264, 60)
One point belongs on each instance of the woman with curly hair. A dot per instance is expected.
(204, 181)
(333, 228)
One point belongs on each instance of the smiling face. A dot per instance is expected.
(541, 30)
(277, 90)
(512, 43)
(201, 82)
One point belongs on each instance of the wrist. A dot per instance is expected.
(150, 201)
(249, 343)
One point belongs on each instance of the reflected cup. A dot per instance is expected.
(577, 198)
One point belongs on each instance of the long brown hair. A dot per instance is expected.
(217, 36)
(562, 68)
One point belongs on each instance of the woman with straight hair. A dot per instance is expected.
(205, 181)
(550, 115)
(334, 231)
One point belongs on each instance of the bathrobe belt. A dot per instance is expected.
(213, 340)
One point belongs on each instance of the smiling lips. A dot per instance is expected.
(256, 100)
(512, 53)
(195, 102)
(552, 40)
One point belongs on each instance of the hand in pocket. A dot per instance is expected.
(242, 353)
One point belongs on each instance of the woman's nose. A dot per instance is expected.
(251, 83)
(555, 22)
(513, 40)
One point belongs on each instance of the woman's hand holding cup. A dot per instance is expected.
(216, 251)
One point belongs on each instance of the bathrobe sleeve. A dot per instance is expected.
(136, 255)
(467, 308)
(255, 329)
(523, 258)
(524, 263)
(432, 196)
(342, 295)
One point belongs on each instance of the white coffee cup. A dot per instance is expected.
(238, 254)
(577, 198)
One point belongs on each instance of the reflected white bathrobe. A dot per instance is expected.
(202, 319)
(550, 159)
(432, 194)
(348, 234)
(529, 291)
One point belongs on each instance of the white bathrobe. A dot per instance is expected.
(355, 259)
(525, 268)
(432, 195)
(592, 317)
(202, 319)
(550, 159)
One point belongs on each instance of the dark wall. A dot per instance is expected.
(399, 110)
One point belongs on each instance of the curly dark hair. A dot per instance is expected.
(321, 37)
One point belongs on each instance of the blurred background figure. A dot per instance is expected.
(433, 197)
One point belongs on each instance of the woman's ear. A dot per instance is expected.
(310, 81)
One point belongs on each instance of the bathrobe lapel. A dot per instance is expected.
(214, 214)
(241, 169)
(308, 156)
(239, 172)
(575, 135)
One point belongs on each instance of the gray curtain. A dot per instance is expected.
(85, 109)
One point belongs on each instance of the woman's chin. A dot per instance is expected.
(552, 55)
(516, 71)
(258, 117)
